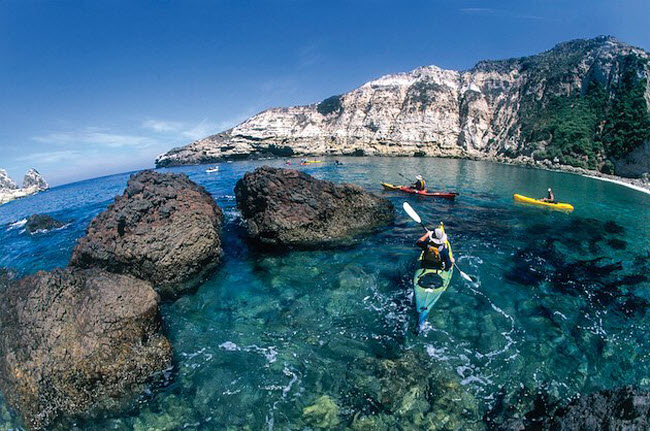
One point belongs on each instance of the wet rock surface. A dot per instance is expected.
(6, 276)
(285, 207)
(41, 222)
(625, 408)
(75, 341)
(165, 229)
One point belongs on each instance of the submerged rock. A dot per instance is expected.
(284, 207)
(73, 341)
(407, 393)
(624, 408)
(323, 414)
(164, 229)
(41, 222)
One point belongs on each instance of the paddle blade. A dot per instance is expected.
(411, 212)
(465, 276)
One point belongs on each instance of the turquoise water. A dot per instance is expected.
(560, 307)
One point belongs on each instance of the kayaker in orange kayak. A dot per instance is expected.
(549, 198)
(419, 183)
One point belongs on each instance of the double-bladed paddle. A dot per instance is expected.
(416, 217)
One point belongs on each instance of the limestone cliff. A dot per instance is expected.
(563, 105)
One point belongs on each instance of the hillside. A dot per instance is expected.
(584, 103)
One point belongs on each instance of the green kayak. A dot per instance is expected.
(428, 285)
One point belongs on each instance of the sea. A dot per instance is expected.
(324, 339)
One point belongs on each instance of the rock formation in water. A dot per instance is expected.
(41, 222)
(6, 183)
(74, 341)
(33, 179)
(284, 207)
(583, 103)
(165, 229)
(32, 183)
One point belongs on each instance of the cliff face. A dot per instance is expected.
(562, 105)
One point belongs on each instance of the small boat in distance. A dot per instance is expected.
(310, 162)
(210, 170)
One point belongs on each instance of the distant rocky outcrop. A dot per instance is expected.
(32, 183)
(6, 183)
(34, 179)
(165, 229)
(584, 103)
(41, 222)
(284, 207)
(74, 341)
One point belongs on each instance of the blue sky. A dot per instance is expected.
(90, 88)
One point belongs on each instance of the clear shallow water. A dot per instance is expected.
(561, 306)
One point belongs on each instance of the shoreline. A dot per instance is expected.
(618, 181)
(631, 183)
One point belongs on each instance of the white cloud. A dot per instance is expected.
(161, 126)
(94, 136)
(498, 12)
(193, 131)
(47, 157)
(478, 10)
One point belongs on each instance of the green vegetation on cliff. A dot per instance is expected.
(586, 130)
(628, 123)
(330, 105)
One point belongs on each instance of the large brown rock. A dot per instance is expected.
(284, 207)
(72, 341)
(164, 229)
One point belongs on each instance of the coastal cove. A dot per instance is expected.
(321, 338)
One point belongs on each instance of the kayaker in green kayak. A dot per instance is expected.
(549, 197)
(419, 183)
(436, 250)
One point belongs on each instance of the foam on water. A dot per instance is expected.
(17, 224)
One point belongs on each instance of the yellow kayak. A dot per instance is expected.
(311, 162)
(554, 205)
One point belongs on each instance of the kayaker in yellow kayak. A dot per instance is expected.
(436, 250)
(419, 183)
(549, 198)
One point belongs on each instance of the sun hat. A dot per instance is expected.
(419, 177)
(438, 237)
